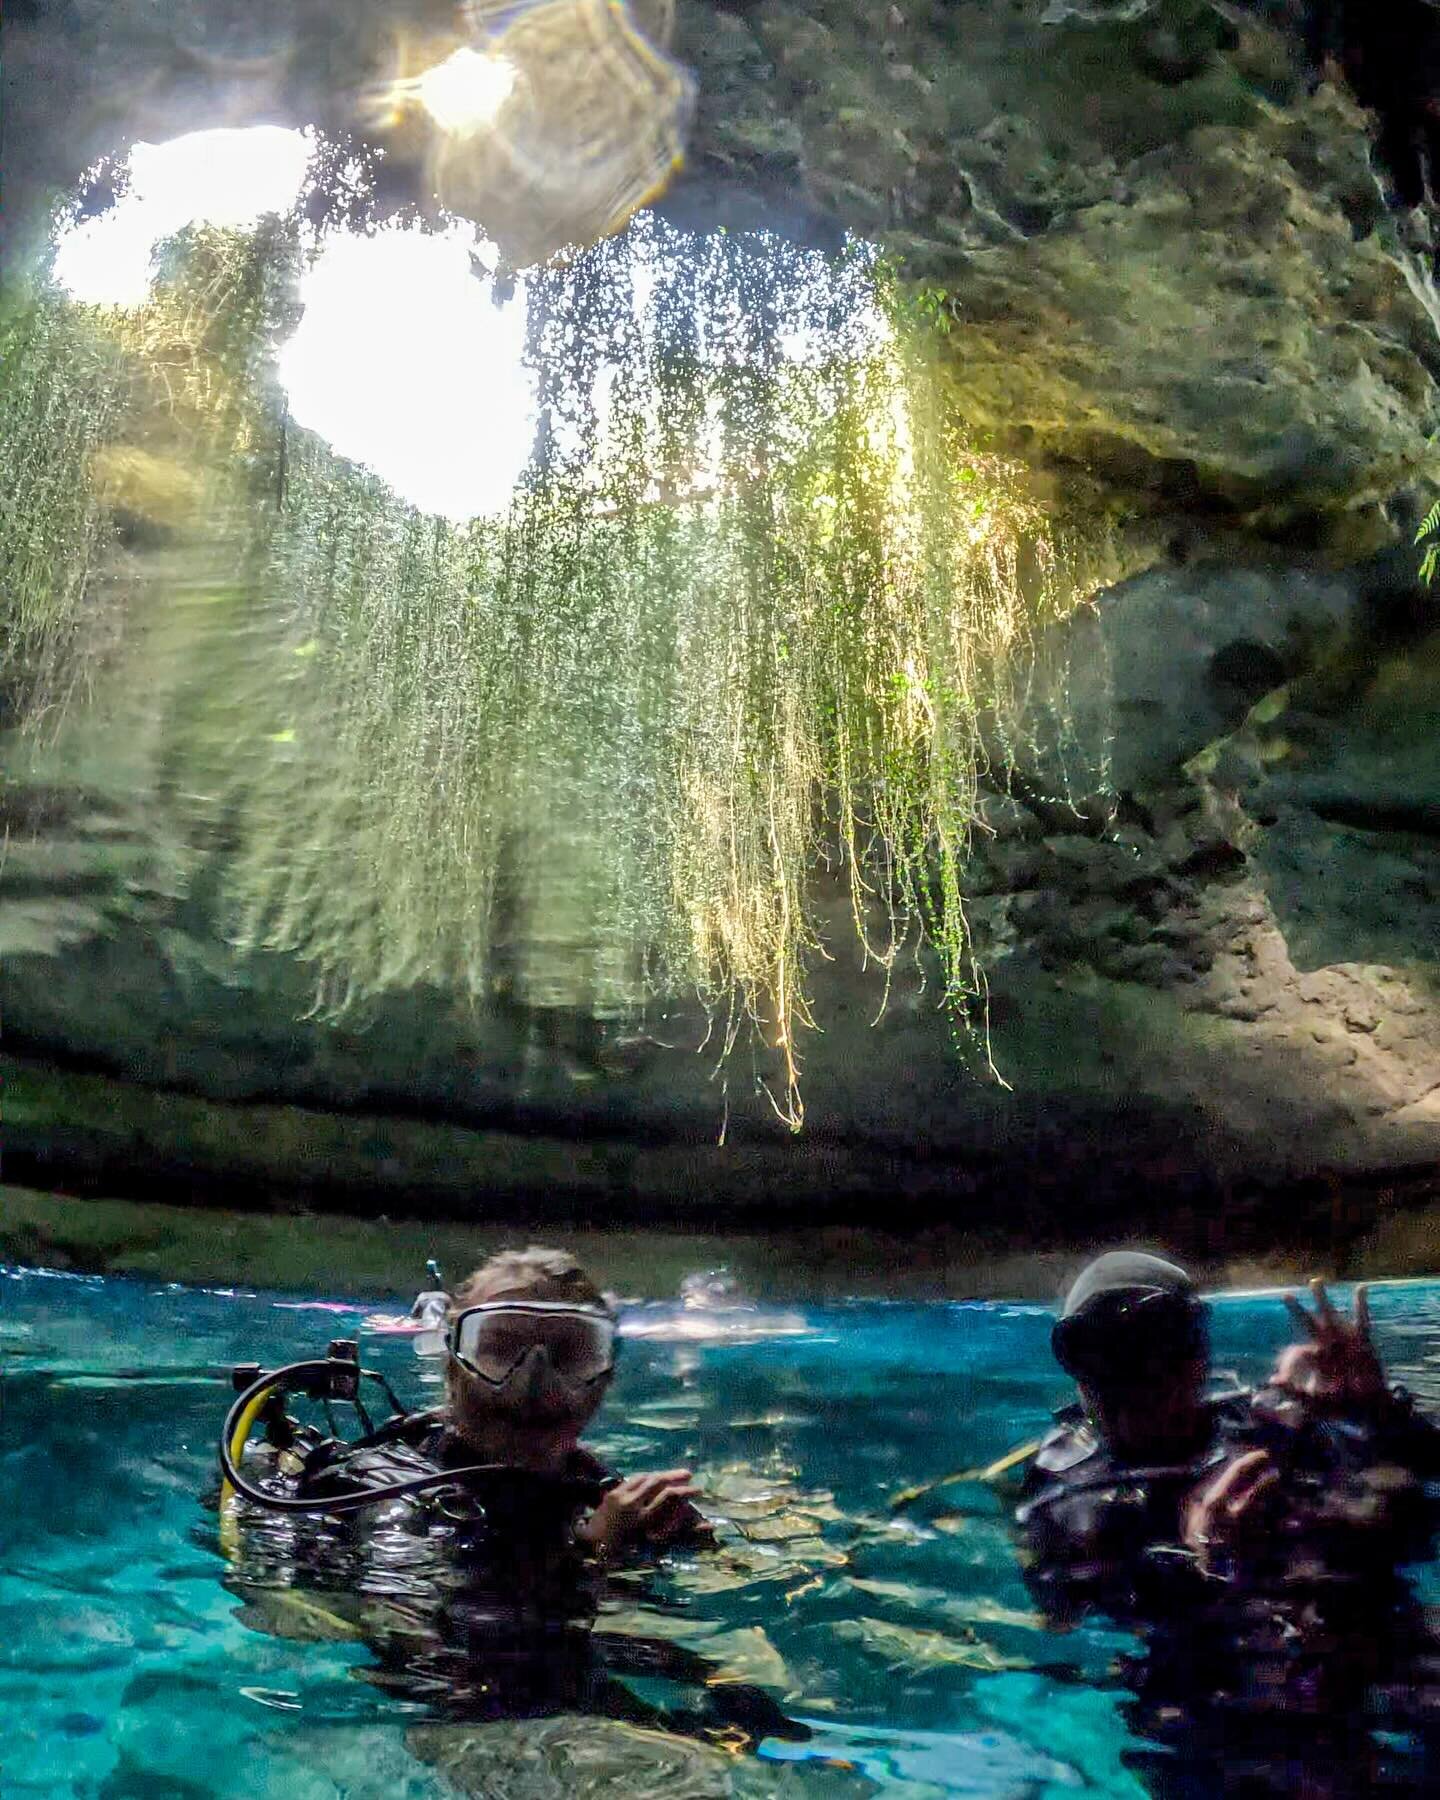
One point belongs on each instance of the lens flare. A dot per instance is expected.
(467, 91)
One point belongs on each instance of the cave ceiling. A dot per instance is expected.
(1171, 248)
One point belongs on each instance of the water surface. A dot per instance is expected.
(907, 1644)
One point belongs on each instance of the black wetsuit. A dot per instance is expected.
(1269, 1673)
(477, 1599)
(1102, 1536)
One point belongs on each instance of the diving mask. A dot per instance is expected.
(504, 1342)
(1123, 1337)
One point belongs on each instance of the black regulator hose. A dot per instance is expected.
(314, 1373)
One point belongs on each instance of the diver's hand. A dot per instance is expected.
(1336, 1369)
(642, 1509)
(1229, 1514)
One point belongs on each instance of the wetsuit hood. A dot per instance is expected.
(1126, 1272)
(1126, 1317)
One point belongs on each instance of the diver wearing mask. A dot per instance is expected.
(467, 1545)
(530, 1346)
(1104, 1494)
(1152, 1479)
(1252, 1540)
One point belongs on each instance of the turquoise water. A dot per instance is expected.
(908, 1645)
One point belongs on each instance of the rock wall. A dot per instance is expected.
(1163, 258)
(1221, 971)
(1168, 262)
(1271, 869)
(1167, 253)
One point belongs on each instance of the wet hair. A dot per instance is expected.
(532, 1274)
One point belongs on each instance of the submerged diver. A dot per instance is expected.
(1252, 1541)
(478, 1594)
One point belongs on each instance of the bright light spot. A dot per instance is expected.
(811, 344)
(466, 91)
(226, 178)
(403, 363)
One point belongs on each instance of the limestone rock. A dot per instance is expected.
(1162, 258)
(566, 1757)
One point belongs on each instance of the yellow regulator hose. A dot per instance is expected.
(238, 1441)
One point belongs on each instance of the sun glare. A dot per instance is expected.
(466, 91)
(404, 363)
(228, 178)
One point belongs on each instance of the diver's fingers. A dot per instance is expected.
(1298, 1368)
(1241, 1502)
(1303, 1319)
(1244, 1468)
(684, 1490)
(1234, 1479)
(648, 1487)
(636, 1492)
(1362, 1309)
(1330, 1319)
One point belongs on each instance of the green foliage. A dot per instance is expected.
(1429, 526)
(53, 529)
(761, 609)
(118, 419)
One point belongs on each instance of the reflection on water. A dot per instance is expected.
(829, 1646)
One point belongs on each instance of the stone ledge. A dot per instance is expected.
(384, 1259)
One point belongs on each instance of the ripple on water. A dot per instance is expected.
(906, 1644)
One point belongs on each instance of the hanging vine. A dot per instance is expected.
(759, 606)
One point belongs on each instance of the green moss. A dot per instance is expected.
(385, 1259)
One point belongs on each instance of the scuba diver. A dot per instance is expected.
(1252, 1540)
(1110, 1479)
(468, 1545)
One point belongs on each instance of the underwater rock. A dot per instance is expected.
(288, 1613)
(337, 1762)
(911, 1649)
